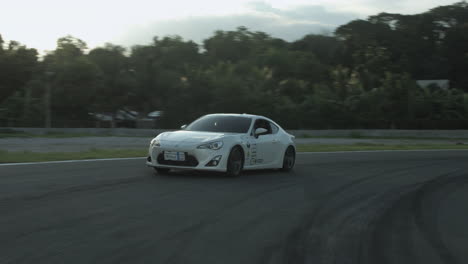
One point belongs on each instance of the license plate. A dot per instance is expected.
(174, 155)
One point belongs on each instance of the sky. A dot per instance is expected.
(38, 24)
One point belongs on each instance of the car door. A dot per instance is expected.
(265, 146)
(275, 148)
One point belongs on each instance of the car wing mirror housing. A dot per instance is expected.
(260, 131)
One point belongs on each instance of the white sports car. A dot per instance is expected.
(228, 143)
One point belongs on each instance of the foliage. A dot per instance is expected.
(362, 77)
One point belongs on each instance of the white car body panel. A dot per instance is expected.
(264, 152)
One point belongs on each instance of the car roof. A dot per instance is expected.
(246, 115)
(241, 115)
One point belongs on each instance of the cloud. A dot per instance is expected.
(288, 24)
(312, 13)
(138, 21)
(372, 7)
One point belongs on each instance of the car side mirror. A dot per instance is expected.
(260, 131)
(183, 127)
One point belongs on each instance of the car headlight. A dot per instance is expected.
(155, 142)
(212, 145)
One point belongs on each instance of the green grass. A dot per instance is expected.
(369, 146)
(27, 156)
(52, 134)
(46, 135)
(11, 133)
(359, 136)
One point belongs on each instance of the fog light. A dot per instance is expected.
(214, 162)
(148, 159)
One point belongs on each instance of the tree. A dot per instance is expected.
(116, 79)
(161, 70)
(18, 64)
(242, 44)
(73, 78)
(326, 49)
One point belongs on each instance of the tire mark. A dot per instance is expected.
(188, 234)
(428, 226)
(304, 237)
(392, 235)
(74, 189)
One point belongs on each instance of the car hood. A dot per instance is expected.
(190, 136)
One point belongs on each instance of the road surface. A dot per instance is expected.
(362, 207)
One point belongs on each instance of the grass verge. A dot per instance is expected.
(27, 156)
(383, 137)
(47, 135)
(369, 146)
(10, 133)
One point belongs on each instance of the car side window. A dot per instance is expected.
(274, 128)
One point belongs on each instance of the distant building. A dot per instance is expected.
(442, 84)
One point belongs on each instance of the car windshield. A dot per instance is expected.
(221, 123)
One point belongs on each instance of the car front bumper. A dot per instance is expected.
(195, 159)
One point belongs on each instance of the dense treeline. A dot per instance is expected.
(364, 76)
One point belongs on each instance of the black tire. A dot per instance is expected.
(235, 162)
(162, 171)
(289, 159)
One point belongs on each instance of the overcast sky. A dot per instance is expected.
(39, 24)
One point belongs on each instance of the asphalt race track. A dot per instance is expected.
(362, 207)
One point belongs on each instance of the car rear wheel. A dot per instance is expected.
(235, 162)
(162, 170)
(289, 159)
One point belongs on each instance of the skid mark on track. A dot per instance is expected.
(75, 189)
(414, 215)
(187, 235)
(334, 222)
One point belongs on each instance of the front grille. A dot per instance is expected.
(190, 161)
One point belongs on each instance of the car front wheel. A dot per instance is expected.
(235, 163)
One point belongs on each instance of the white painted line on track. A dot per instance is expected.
(299, 153)
(67, 161)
